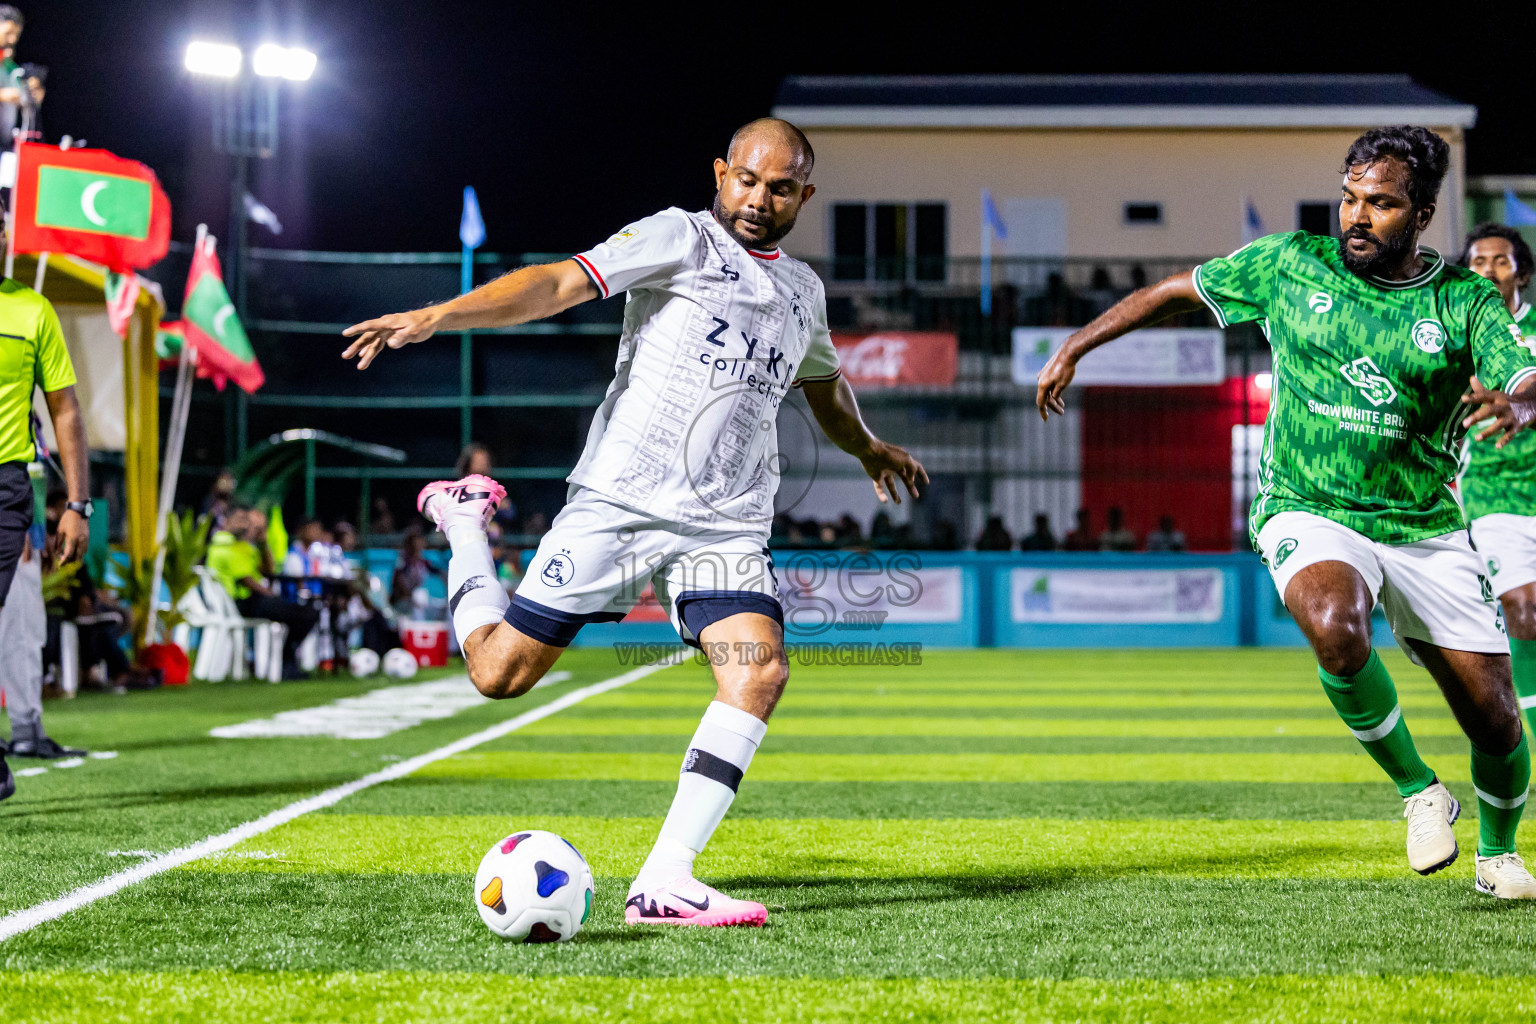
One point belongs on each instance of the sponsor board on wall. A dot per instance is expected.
(890, 358)
(1153, 356)
(1117, 596)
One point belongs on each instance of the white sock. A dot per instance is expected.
(718, 756)
(475, 595)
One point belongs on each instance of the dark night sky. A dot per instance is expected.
(572, 118)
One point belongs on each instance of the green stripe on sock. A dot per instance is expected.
(1501, 782)
(1367, 702)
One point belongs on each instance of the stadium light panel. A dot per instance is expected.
(217, 59)
(290, 62)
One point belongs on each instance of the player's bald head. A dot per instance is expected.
(773, 131)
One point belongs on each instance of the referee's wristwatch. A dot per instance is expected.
(82, 508)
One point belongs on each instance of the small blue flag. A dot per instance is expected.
(1253, 226)
(471, 225)
(1516, 213)
(989, 214)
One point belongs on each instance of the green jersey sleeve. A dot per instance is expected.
(54, 369)
(1238, 288)
(1502, 354)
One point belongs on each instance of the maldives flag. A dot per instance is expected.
(211, 327)
(170, 339)
(92, 204)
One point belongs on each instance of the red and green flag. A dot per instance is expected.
(92, 204)
(210, 326)
(170, 339)
(122, 292)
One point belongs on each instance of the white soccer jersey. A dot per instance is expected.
(714, 335)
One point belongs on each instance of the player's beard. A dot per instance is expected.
(775, 234)
(1390, 250)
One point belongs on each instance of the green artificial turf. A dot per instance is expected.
(991, 835)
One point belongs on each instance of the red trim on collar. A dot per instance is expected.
(765, 255)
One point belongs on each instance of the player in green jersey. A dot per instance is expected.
(1498, 486)
(1375, 341)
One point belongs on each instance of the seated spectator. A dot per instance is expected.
(381, 517)
(216, 504)
(1042, 539)
(1165, 537)
(346, 537)
(100, 620)
(237, 556)
(411, 573)
(994, 536)
(946, 536)
(881, 534)
(1081, 537)
(849, 533)
(1116, 537)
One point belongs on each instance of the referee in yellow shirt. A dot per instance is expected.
(32, 355)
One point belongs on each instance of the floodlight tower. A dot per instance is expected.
(245, 125)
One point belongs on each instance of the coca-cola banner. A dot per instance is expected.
(889, 358)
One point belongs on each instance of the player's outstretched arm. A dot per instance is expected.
(837, 411)
(1141, 308)
(1509, 414)
(531, 293)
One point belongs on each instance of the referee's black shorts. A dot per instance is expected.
(16, 501)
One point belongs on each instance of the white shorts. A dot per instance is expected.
(595, 561)
(1432, 590)
(1506, 543)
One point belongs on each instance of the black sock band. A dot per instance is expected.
(704, 763)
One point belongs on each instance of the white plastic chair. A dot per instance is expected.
(221, 648)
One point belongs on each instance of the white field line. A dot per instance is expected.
(25, 920)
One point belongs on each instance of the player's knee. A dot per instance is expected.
(1341, 637)
(501, 680)
(1520, 614)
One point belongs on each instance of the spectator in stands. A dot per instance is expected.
(994, 536)
(881, 535)
(477, 458)
(21, 88)
(216, 503)
(1081, 537)
(346, 537)
(411, 573)
(946, 536)
(382, 518)
(100, 620)
(1101, 292)
(1042, 539)
(1116, 537)
(1166, 537)
(849, 533)
(238, 556)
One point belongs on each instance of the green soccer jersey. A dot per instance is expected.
(1503, 479)
(32, 354)
(1365, 410)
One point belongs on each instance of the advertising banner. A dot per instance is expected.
(1153, 356)
(889, 358)
(1116, 596)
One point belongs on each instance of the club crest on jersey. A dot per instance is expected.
(1366, 375)
(1529, 344)
(623, 236)
(1320, 302)
(1284, 550)
(1429, 335)
(558, 570)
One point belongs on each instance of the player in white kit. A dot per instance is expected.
(676, 484)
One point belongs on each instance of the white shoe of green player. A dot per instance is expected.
(1505, 876)
(1431, 842)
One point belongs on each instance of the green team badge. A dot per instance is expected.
(1320, 302)
(1283, 551)
(1429, 335)
(1493, 567)
(1364, 374)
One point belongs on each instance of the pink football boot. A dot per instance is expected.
(472, 499)
(687, 901)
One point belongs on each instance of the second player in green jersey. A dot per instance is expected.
(1498, 487)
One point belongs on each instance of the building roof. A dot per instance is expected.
(1114, 101)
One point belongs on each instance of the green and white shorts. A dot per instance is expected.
(1506, 543)
(1431, 590)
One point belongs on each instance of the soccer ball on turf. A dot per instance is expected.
(400, 663)
(534, 887)
(363, 662)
